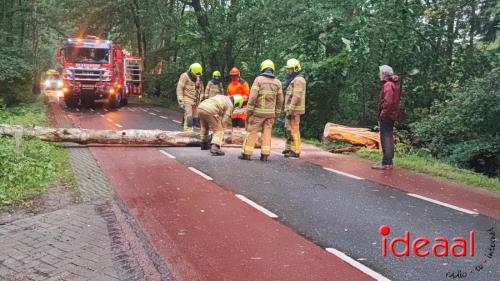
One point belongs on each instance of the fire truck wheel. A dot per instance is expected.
(71, 102)
(124, 101)
(115, 101)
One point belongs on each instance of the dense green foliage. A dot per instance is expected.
(438, 47)
(30, 166)
(466, 127)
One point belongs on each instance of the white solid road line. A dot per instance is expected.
(257, 206)
(366, 270)
(164, 117)
(177, 121)
(343, 174)
(443, 204)
(200, 173)
(167, 154)
(118, 125)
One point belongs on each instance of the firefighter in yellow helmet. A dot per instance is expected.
(264, 104)
(214, 86)
(294, 107)
(190, 92)
(215, 113)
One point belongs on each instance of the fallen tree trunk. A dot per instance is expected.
(355, 136)
(131, 137)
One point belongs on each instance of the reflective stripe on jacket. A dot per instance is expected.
(295, 100)
(266, 97)
(188, 91)
(219, 105)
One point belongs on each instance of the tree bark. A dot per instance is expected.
(130, 137)
(355, 136)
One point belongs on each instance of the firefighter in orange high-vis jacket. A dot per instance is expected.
(264, 105)
(214, 115)
(214, 86)
(190, 92)
(238, 86)
(295, 105)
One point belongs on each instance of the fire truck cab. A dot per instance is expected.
(98, 70)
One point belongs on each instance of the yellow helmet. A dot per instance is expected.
(196, 69)
(267, 64)
(238, 100)
(293, 63)
(216, 74)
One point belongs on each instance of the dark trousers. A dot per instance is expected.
(387, 140)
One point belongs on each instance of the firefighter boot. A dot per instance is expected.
(264, 157)
(205, 146)
(215, 150)
(286, 151)
(292, 154)
(196, 122)
(243, 156)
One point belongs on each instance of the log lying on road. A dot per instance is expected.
(130, 137)
(355, 136)
(87, 136)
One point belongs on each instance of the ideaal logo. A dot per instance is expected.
(460, 247)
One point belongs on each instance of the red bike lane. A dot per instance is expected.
(203, 231)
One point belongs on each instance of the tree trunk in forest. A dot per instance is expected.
(34, 47)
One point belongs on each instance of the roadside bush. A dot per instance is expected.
(466, 128)
(14, 78)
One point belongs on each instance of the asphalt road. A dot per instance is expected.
(331, 210)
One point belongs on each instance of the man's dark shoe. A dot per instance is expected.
(285, 151)
(205, 146)
(245, 157)
(215, 150)
(292, 154)
(264, 157)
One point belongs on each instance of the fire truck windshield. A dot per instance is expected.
(87, 55)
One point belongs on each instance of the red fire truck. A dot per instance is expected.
(98, 70)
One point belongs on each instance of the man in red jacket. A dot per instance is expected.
(388, 113)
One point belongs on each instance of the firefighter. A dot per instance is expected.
(238, 86)
(264, 104)
(294, 107)
(214, 115)
(214, 86)
(190, 92)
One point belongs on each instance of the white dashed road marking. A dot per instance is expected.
(177, 121)
(257, 206)
(443, 204)
(164, 117)
(118, 125)
(167, 154)
(152, 113)
(343, 174)
(366, 270)
(200, 173)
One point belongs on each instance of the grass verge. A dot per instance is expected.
(421, 162)
(31, 166)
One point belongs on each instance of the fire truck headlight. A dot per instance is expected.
(111, 91)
